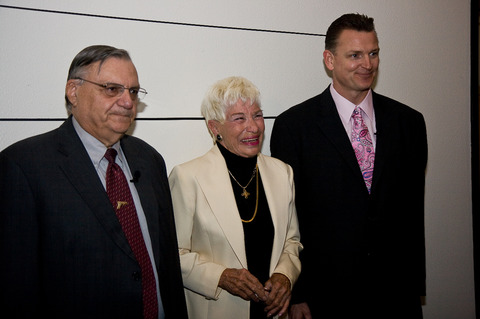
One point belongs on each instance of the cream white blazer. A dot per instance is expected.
(210, 232)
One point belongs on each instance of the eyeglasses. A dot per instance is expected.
(114, 90)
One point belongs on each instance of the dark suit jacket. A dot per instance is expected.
(64, 254)
(361, 250)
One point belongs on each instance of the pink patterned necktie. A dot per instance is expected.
(363, 146)
(120, 196)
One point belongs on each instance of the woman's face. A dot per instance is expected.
(243, 129)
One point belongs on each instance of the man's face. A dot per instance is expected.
(104, 117)
(354, 64)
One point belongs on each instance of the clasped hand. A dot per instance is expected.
(275, 294)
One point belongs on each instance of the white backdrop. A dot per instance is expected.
(181, 47)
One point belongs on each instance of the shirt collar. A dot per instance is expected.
(345, 107)
(95, 149)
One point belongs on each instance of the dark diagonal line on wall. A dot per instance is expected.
(145, 21)
(160, 21)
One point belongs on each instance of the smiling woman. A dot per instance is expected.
(242, 131)
(233, 115)
(233, 196)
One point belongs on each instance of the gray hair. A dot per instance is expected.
(88, 56)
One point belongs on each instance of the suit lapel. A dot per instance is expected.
(330, 124)
(332, 127)
(217, 188)
(383, 137)
(276, 191)
(78, 168)
(147, 193)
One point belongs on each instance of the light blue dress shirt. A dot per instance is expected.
(96, 150)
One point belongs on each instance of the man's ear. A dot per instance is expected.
(71, 91)
(328, 58)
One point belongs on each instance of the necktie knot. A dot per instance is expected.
(110, 155)
(357, 113)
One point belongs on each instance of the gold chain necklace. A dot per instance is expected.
(246, 194)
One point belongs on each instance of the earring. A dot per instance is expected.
(219, 138)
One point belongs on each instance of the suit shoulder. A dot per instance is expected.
(194, 164)
(129, 139)
(307, 109)
(393, 105)
(31, 145)
(301, 108)
(129, 142)
(273, 161)
(187, 172)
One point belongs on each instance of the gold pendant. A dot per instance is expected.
(245, 193)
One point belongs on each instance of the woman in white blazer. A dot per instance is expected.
(235, 214)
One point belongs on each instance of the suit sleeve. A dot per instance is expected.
(18, 241)
(283, 144)
(289, 263)
(199, 275)
(421, 151)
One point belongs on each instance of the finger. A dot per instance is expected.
(285, 307)
(278, 301)
(253, 295)
(299, 311)
(260, 295)
(235, 281)
(251, 286)
(268, 286)
(275, 305)
(255, 288)
(278, 294)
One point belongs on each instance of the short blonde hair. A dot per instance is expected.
(225, 93)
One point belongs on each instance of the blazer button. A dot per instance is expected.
(137, 276)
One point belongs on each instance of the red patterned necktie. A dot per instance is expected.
(121, 198)
(363, 146)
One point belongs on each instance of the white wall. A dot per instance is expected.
(425, 62)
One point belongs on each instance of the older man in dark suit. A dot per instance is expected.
(359, 162)
(86, 220)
